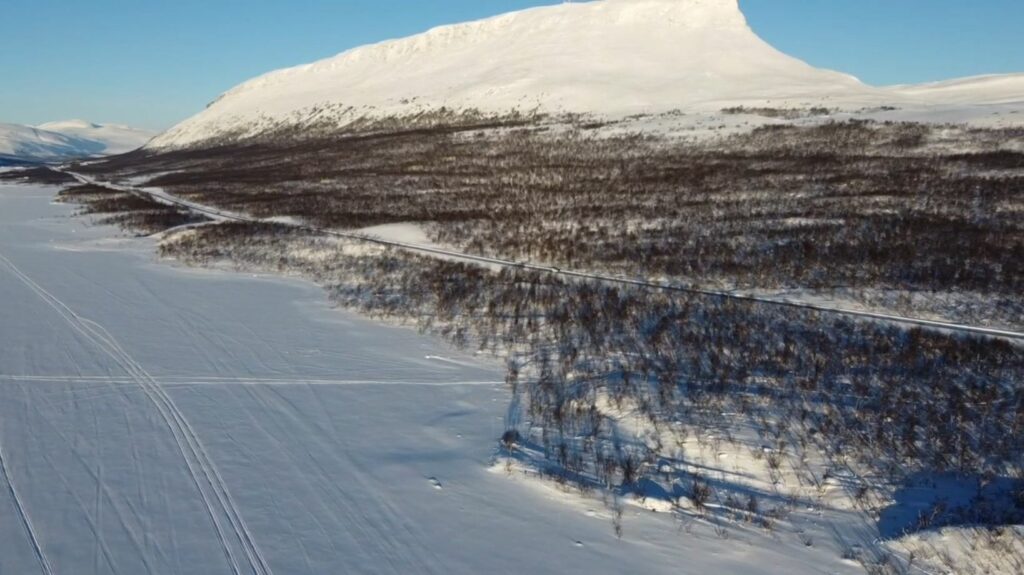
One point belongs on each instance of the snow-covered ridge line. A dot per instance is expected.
(224, 215)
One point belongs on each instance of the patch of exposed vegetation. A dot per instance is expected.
(857, 207)
(130, 211)
(780, 113)
(38, 175)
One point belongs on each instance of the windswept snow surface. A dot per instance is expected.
(161, 420)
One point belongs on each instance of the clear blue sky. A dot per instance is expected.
(152, 63)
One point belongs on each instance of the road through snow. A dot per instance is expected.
(163, 420)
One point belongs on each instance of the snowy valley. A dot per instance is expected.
(595, 287)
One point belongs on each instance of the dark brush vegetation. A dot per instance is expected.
(38, 175)
(783, 113)
(129, 211)
(853, 206)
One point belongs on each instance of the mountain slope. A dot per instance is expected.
(609, 57)
(63, 140)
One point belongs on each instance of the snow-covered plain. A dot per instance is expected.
(164, 420)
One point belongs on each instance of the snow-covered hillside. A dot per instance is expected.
(64, 140)
(609, 58)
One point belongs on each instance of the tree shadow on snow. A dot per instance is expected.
(935, 500)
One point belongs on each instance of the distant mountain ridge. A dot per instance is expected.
(609, 57)
(57, 141)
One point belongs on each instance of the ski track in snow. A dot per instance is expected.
(186, 381)
(44, 563)
(188, 442)
(103, 388)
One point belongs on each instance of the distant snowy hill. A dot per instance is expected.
(64, 140)
(28, 143)
(116, 138)
(993, 89)
(610, 57)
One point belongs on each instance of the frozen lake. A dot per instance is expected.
(161, 420)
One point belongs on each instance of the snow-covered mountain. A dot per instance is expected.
(608, 57)
(57, 141)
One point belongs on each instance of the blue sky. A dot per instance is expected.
(152, 63)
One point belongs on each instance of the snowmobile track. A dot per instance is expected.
(185, 437)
